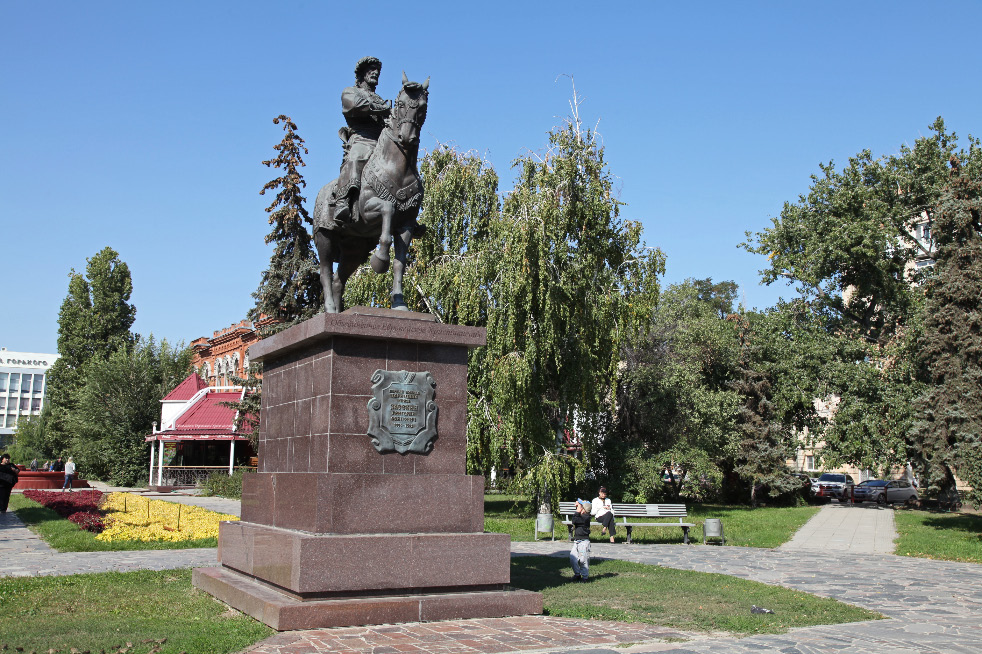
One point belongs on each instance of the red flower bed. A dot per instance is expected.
(81, 507)
(88, 521)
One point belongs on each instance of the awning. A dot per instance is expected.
(180, 436)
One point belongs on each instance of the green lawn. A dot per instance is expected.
(106, 611)
(66, 536)
(138, 610)
(689, 601)
(762, 527)
(945, 536)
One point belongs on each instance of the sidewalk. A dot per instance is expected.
(218, 504)
(863, 528)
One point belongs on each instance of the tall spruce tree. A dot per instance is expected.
(762, 446)
(94, 321)
(290, 289)
(948, 431)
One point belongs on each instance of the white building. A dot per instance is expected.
(23, 377)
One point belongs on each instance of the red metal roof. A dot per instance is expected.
(187, 388)
(208, 414)
(206, 419)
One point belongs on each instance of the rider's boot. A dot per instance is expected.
(342, 213)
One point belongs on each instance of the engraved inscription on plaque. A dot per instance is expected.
(402, 413)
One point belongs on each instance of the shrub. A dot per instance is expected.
(222, 484)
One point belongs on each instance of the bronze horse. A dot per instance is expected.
(388, 204)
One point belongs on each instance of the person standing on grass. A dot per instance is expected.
(579, 555)
(69, 476)
(8, 477)
(603, 512)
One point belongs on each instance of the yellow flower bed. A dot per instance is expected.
(134, 517)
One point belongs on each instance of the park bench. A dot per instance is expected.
(622, 513)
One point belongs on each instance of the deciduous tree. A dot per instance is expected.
(675, 412)
(558, 279)
(850, 246)
(118, 403)
(94, 321)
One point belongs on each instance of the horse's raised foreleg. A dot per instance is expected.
(324, 253)
(402, 242)
(380, 258)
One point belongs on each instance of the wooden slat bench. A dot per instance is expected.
(624, 511)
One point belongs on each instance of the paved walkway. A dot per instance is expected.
(933, 607)
(866, 528)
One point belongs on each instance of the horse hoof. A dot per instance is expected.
(379, 265)
(399, 302)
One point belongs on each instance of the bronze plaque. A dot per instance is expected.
(402, 413)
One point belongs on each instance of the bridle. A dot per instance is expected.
(403, 114)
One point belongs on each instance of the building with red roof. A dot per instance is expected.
(197, 435)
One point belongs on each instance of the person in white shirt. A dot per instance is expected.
(603, 512)
(69, 475)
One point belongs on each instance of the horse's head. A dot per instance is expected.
(409, 110)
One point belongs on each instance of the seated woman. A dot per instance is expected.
(603, 512)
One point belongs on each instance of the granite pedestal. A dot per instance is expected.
(333, 533)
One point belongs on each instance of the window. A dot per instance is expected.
(3, 381)
(14, 382)
(25, 403)
(38, 383)
(810, 462)
(36, 404)
(3, 404)
(25, 383)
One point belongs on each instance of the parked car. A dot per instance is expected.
(805, 491)
(834, 485)
(883, 491)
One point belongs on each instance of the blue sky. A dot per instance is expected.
(142, 125)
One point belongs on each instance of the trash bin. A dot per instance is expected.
(713, 528)
(544, 522)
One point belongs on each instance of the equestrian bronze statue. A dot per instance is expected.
(375, 200)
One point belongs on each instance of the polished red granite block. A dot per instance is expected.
(323, 564)
(363, 503)
(285, 613)
(317, 384)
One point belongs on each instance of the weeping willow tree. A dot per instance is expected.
(558, 279)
